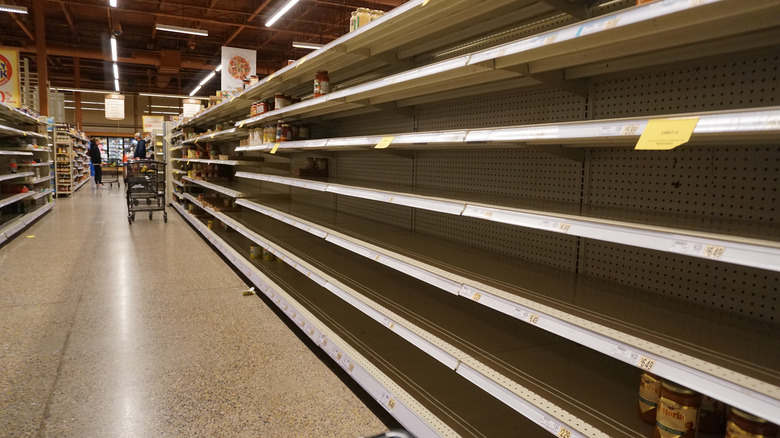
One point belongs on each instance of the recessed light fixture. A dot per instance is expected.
(281, 12)
(178, 29)
(13, 9)
(301, 45)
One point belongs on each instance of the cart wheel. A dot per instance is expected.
(133, 215)
(165, 217)
(150, 215)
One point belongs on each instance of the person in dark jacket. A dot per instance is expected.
(94, 155)
(140, 147)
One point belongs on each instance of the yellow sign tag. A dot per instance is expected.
(30, 236)
(241, 125)
(384, 143)
(300, 63)
(276, 146)
(425, 2)
(271, 76)
(665, 134)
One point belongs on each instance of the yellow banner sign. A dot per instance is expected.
(10, 91)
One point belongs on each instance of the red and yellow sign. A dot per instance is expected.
(10, 91)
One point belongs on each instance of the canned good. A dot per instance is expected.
(210, 224)
(255, 252)
(321, 83)
(268, 255)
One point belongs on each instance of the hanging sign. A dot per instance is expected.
(10, 91)
(190, 107)
(153, 124)
(237, 64)
(115, 107)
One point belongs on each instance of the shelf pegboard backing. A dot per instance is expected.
(740, 83)
(375, 124)
(734, 183)
(380, 212)
(550, 249)
(373, 165)
(312, 197)
(546, 106)
(751, 292)
(522, 173)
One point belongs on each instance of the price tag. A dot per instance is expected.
(564, 433)
(560, 227)
(276, 146)
(611, 23)
(300, 63)
(384, 143)
(323, 340)
(624, 354)
(630, 130)
(233, 98)
(564, 228)
(646, 363)
(388, 323)
(387, 400)
(713, 252)
(241, 125)
(477, 296)
(350, 366)
(550, 39)
(425, 2)
(549, 424)
(666, 134)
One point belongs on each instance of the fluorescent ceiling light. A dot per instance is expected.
(13, 9)
(113, 49)
(281, 12)
(219, 67)
(195, 90)
(187, 30)
(301, 45)
(173, 96)
(112, 3)
(81, 90)
(206, 79)
(116, 72)
(116, 84)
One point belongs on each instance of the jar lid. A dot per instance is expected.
(677, 388)
(747, 416)
(363, 9)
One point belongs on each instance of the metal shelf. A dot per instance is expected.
(757, 125)
(592, 313)
(500, 355)
(219, 136)
(525, 60)
(223, 162)
(17, 153)
(8, 199)
(42, 164)
(84, 181)
(13, 115)
(36, 180)
(216, 187)
(43, 193)
(11, 228)
(7, 131)
(415, 27)
(11, 176)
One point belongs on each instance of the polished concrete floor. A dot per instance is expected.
(110, 330)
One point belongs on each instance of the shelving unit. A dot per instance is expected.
(26, 190)
(72, 161)
(483, 212)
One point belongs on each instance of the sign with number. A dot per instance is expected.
(10, 91)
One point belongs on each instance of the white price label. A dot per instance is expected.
(549, 424)
(525, 315)
(560, 227)
(625, 354)
(388, 323)
(698, 249)
(323, 340)
(387, 400)
(550, 39)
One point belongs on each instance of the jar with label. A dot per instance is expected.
(353, 21)
(376, 14)
(262, 107)
(743, 425)
(712, 416)
(278, 136)
(678, 412)
(253, 110)
(286, 132)
(363, 17)
(279, 101)
(649, 393)
(321, 83)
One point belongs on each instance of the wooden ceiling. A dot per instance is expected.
(78, 32)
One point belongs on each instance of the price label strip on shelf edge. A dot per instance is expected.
(633, 358)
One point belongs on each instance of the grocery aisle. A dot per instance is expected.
(116, 330)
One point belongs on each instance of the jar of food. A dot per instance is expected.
(678, 412)
(262, 107)
(743, 425)
(290, 61)
(253, 110)
(308, 163)
(353, 21)
(279, 101)
(376, 14)
(303, 132)
(649, 393)
(363, 17)
(245, 83)
(278, 136)
(321, 83)
(286, 132)
(712, 416)
(254, 79)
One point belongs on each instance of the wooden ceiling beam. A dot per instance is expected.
(22, 25)
(70, 20)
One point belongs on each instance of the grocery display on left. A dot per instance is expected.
(26, 170)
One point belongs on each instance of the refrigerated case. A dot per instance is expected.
(112, 149)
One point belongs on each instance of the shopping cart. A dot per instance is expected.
(111, 173)
(145, 182)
